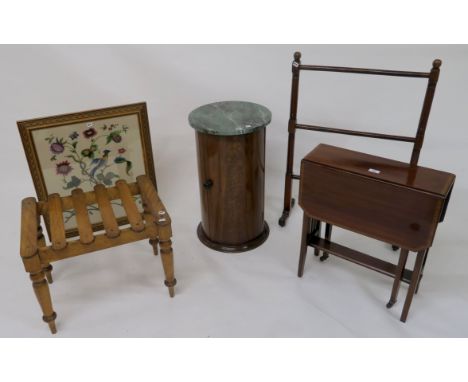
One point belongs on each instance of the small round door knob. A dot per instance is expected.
(208, 183)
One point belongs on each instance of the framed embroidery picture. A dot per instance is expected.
(81, 150)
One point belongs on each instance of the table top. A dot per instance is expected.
(229, 118)
(383, 169)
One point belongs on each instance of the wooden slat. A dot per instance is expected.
(28, 245)
(75, 248)
(150, 197)
(359, 258)
(57, 227)
(107, 213)
(133, 215)
(82, 218)
(380, 72)
(366, 134)
(67, 201)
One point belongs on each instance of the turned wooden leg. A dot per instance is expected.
(288, 201)
(47, 268)
(154, 241)
(31, 240)
(422, 271)
(165, 248)
(316, 231)
(41, 289)
(306, 223)
(154, 244)
(328, 231)
(413, 284)
(398, 276)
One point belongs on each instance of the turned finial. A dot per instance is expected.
(297, 56)
(436, 64)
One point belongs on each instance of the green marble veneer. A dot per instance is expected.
(229, 118)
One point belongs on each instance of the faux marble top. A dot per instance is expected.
(229, 118)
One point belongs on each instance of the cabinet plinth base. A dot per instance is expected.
(233, 248)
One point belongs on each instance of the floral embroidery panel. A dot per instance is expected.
(88, 153)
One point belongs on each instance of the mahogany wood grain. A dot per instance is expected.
(387, 200)
(398, 276)
(380, 72)
(359, 258)
(232, 177)
(366, 134)
(389, 170)
(288, 201)
(415, 277)
(426, 109)
(337, 187)
(417, 141)
(304, 238)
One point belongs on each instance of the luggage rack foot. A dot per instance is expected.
(285, 215)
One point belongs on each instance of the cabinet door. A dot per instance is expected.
(231, 173)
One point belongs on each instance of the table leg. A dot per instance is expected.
(422, 271)
(398, 276)
(413, 284)
(306, 228)
(316, 231)
(328, 231)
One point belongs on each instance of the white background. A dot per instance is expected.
(120, 292)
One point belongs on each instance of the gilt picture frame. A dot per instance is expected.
(83, 149)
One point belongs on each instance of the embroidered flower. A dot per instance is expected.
(57, 147)
(122, 150)
(74, 135)
(91, 132)
(63, 168)
(116, 138)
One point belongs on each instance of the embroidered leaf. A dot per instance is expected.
(128, 167)
(107, 179)
(73, 183)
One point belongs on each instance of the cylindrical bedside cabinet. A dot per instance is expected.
(231, 168)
